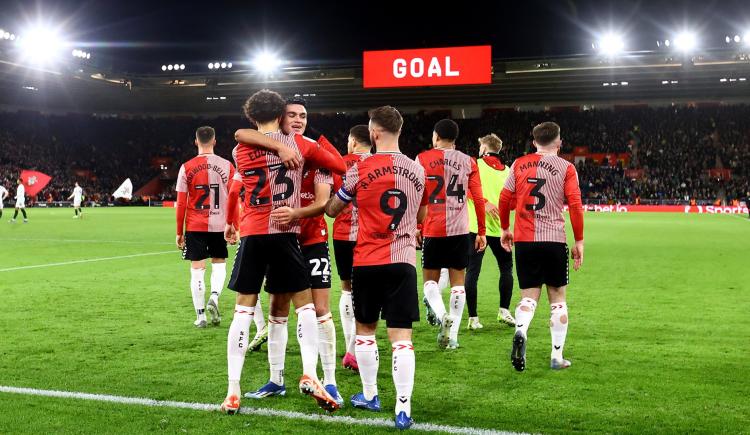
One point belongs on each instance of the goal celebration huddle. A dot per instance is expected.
(272, 202)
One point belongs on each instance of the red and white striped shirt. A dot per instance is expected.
(313, 229)
(541, 184)
(345, 226)
(202, 190)
(447, 173)
(269, 185)
(389, 189)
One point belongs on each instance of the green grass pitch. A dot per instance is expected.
(658, 336)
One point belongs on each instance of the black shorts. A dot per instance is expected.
(200, 245)
(343, 251)
(540, 263)
(318, 265)
(277, 257)
(387, 292)
(446, 252)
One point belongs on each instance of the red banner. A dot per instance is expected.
(634, 173)
(721, 174)
(427, 67)
(34, 181)
(704, 209)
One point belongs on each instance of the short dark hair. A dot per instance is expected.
(546, 132)
(297, 100)
(264, 106)
(387, 117)
(447, 129)
(205, 134)
(361, 134)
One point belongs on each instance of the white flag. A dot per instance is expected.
(125, 190)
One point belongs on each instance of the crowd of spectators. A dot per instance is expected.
(674, 146)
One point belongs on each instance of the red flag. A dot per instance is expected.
(34, 181)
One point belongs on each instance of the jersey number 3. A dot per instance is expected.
(537, 192)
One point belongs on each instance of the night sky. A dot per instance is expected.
(137, 35)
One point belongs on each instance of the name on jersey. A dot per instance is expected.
(539, 164)
(445, 162)
(394, 170)
(208, 167)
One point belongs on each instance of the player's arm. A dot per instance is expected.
(321, 154)
(181, 209)
(285, 215)
(506, 198)
(575, 209)
(232, 210)
(421, 215)
(475, 189)
(288, 156)
(345, 195)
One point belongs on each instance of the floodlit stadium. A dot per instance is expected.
(350, 218)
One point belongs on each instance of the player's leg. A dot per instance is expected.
(246, 279)
(217, 251)
(237, 347)
(400, 310)
(368, 283)
(457, 303)
(431, 265)
(15, 215)
(75, 211)
(218, 276)
(505, 265)
(23, 211)
(198, 291)
(473, 269)
(558, 326)
(278, 337)
(556, 278)
(529, 267)
(320, 279)
(344, 255)
(444, 282)
(261, 329)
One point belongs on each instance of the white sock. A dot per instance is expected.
(403, 374)
(260, 322)
(346, 312)
(278, 335)
(198, 291)
(444, 281)
(368, 360)
(558, 328)
(237, 341)
(457, 302)
(327, 348)
(523, 317)
(218, 275)
(434, 298)
(307, 336)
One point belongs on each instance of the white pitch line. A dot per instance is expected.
(103, 241)
(265, 412)
(91, 260)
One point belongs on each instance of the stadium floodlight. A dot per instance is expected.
(12, 37)
(163, 67)
(266, 62)
(611, 44)
(41, 44)
(211, 65)
(176, 66)
(666, 42)
(727, 39)
(229, 65)
(223, 65)
(170, 67)
(182, 66)
(736, 38)
(746, 38)
(686, 41)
